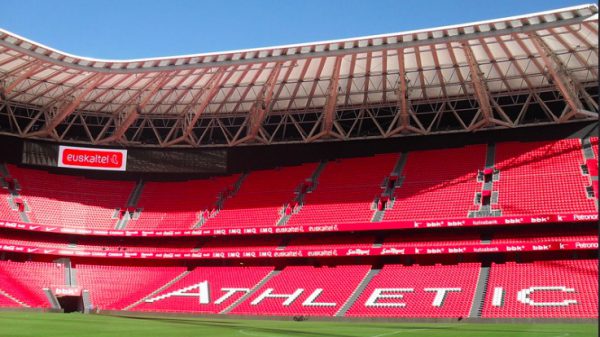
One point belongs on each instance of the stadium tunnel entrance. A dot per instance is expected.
(71, 304)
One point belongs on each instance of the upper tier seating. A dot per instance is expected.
(331, 285)
(25, 281)
(541, 178)
(261, 198)
(6, 212)
(345, 191)
(219, 279)
(438, 184)
(533, 178)
(115, 287)
(71, 201)
(178, 205)
(413, 286)
(543, 289)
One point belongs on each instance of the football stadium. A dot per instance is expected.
(434, 182)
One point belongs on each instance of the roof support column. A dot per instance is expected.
(485, 114)
(404, 112)
(262, 107)
(567, 86)
(125, 119)
(331, 103)
(94, 82)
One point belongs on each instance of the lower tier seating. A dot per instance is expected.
(540, 289)
(25, 281)
(115, 287)
(224, 286)
(543, 289)
(419, 291)
(304, 290)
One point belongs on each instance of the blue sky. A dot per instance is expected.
(125, 29)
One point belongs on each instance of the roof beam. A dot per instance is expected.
(404, 112)
(567, 86)
(261, 108)
(316, 80)
(92, 83)
(331, 102)
(299, 83)
(34, 69)
(327, 117)
(191, 87)
(421, 73)
(481, 94)
(124, 121)
(207, 93)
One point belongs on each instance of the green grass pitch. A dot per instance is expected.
(18, 324)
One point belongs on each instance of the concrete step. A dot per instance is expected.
(357, 292)
(2, 293)
(157, 291)
(251, 292)
(480, 292)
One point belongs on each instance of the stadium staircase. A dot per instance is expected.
(357, 292)
(222, 198)
(18, 207)
(258, 286)
(590, 167)
(480, 291)
(390, 183)
(132, 211)
(158, 291)
(305, 187)
(51, 299)
(487, 196)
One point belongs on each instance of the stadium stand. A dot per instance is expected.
(304, 290)
(7, 213)
(71, 201)
(6, 302)
(345, 191)
(24, 281)
(178, 205)
(416, 286)
(179, 297)
(438, 184)
(262, 197)
(544, 289)
(537, 178)
(114, 287)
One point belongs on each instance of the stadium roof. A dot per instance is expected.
(398, 84)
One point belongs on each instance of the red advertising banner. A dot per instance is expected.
(92, 159)
(274, 253)
(342, 227)
(60, 291)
